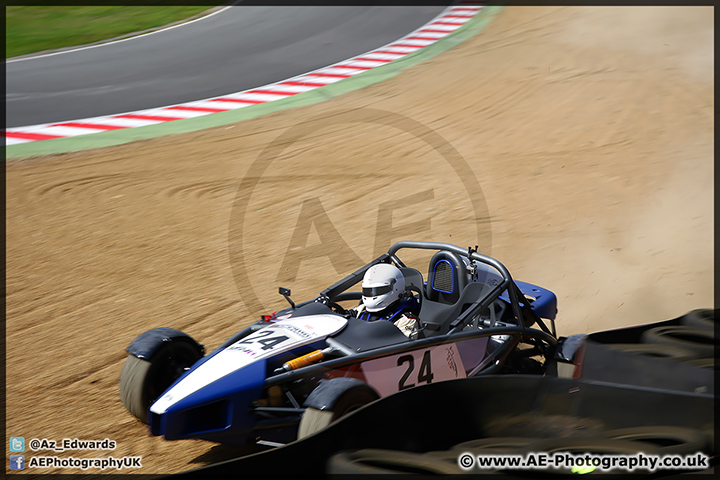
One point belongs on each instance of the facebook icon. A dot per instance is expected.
(17, 462)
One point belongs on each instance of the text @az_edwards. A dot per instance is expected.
(67, 444)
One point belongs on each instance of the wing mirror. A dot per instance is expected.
(285, 292)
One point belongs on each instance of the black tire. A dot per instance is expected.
(702, 318)
(314, 420)
(482, 446)
(388, 461)
(697, 340)
(589, 445)
(465, 459)
(672, 352)
(494, 445)
(669, 439)
(132, 378)
(143, 381)
(447, 456)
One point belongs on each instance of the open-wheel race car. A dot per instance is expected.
(299, 369)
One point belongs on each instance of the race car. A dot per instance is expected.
(297, 370)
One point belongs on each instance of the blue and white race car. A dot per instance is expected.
(299, 369)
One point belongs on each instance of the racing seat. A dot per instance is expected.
(447, 293)
(437, 318)
(413, 279)
(447, 278)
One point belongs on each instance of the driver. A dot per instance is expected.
(384, 297)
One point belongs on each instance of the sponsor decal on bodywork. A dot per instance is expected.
(277, 337)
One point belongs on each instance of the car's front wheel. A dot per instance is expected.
(142, 381)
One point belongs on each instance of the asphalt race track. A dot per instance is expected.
(243, 47)
(589, 130)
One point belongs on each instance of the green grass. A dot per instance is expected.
(30, 29)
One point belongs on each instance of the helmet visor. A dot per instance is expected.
(376, 291)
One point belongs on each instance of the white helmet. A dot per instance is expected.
(382, 285)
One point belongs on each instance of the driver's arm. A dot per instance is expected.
(408, 324)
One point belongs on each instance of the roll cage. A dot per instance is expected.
(544, 339)
(522, 310)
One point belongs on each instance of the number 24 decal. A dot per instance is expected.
(267, 343)
(424, 372)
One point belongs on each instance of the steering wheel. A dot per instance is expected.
(334, 306)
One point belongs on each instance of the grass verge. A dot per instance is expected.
(31, 29)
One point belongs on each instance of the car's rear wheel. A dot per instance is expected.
(314, 419)
(143, 381)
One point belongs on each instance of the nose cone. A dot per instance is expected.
(220, 411)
